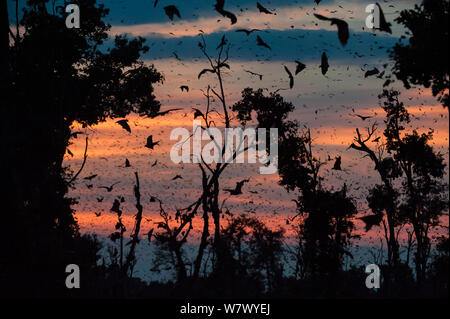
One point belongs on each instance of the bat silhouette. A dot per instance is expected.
(171, 11)
(90, 177)
(291, 78)
(198, 113)
(162, 113)
(363, 117)
(300, 67)
(324, 63)
(109, 188)
(204, 71)
(342, 27)
(219, 8)
(100, 199)
(253, 73)
(262, 9)
(371, 220)
(124, 124)
(98, 214)
(127, 163)
(384, 25)
(184, 87)
(337, 164)
(260, 42)
(371, 72)
(238, 189)
(150, 144)
(176, 56)
(116, 207)
(177, 177)
(247, 32)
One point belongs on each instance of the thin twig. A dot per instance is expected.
(82, 165)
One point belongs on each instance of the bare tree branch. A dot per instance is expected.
(82, 165)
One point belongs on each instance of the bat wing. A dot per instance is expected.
(124, 124)
(343, 33)
(291, 78)
(300, 67)
(321, 17)
(204, 71)
(230, 16)
(262, 9)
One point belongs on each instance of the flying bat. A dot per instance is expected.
(291, 78)
(342, 27)
(124, 124)
(260, 42)
(247, 32)
(109, 188)
(204, 71)
(324, 63)
(162, 113)
(384, 25)
(256, 74)
(300, 67)
(238, 189)
(337, 164)
(371, 72)
(150, 144)
(171, 11)
(363, 117)
(262, 9)
(372, 220)
(227, 14)
(90, 177)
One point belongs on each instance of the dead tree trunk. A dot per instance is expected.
(131, 257)
(205, 232)
(393, 249)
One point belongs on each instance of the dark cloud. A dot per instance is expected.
(303, 45)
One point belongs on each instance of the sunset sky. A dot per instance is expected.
(323, 103)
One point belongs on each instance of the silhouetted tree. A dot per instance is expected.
(326, 230)
(382, 198)
(424, 59)
(120, 230)
(440, 265)
(254, 251)
(421, 199)
(52, 76)
(130, 261)
(422, 170)
(176, 231)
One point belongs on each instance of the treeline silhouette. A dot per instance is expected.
(53, 76)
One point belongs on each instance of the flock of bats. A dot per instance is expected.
(342, 30)
(343, 35)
